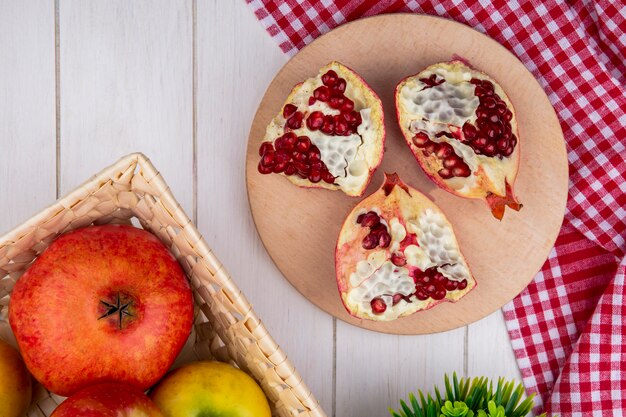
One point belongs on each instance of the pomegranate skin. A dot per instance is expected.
(494, 170)
(101, 304)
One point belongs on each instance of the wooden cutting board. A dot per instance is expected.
(299, 227)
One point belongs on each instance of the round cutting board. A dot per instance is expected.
(299, 227)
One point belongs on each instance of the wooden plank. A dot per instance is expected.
(236, 61)
(489, 350)
(27, 110)
(126, 85)
(375, 371)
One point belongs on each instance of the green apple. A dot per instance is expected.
(15, 383)
(210, 389)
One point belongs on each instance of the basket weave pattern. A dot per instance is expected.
(226, 327)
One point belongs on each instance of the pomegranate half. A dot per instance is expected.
(462, 129)
(397, 254)
(330, 133)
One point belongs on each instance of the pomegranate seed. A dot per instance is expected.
(315, 176)
(378, 305)
(329, 125)
(469, 130)
(451, 161)
(265, 146)
(439, 294)
(315, 120)
(508, 151)
(488, 87)
(370, 241)
(501, 107)
(461, 171)
(489, 102)
(340, 86)
(479, 91)
(398, 259)
(397, 298)
(291, 139)
(507, 115)
(330, 78)
(268, 159)
(282, 156)
(317, 166)
(451, 285)
(379, 228)
(321, 93)
(328, 177)
(480, 142)
(288, 110)
(384, 240)
(303, 144)
(439, 279)
(444, 150)
(462, 285)
(264, 169)
(421, 295)
(494, 118)
(513, 141)
(336, 102)
(301, 166)
(425, 280)
(429, 148)
(340, 125)
(295, 121)
(445, 173)
(359, 219)
(492, 133)
(279, 167)
(290, 169)
(502, 144)
(357, 118)
(481, 113)
(348, 106)
(312, 101)
(431, 289)
(475, 81)
(370, 219)
(489, 150)
(299, 156)
(420, 139)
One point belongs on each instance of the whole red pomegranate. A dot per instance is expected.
(101, 304)
(461, 127)
(397, 254)
(329, 134)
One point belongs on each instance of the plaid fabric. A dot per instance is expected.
(568, 327)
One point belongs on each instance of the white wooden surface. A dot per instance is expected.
(180, 81)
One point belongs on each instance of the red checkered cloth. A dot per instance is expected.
(568, 328)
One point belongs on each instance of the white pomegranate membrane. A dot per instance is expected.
(461, 127)
(324, 134)
(397, 254)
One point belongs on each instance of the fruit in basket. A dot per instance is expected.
(15, 383)
(108, 400)
(329, 133)
(397, 254)
(462, 129)
(101, 304)
(210, 389)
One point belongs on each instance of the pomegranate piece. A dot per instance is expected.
(346, 129)
(397, 254)
(461, 127)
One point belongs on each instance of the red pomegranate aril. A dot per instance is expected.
(469, 130)
(370, 241)
(321, 93)
(317, 166)
(445, 173)
(462, 285)
(295, 121)
(370, 219)
(481, 142)
(502, 144)
(439, 279)
(461, 170)
(290, 169)
(340, 86)
(336, 102)
(312, 101)
(327, 177)
(329, 125)
(479, 91)
(450, 161)
(384, 240)
(494, 118)
(315, 120)
(451, 285)
(283, 155)
(487, 86)
(513, 141)
(289, 110)
(430, 289)
(263, 169)
(357, 118)
(420, 139)
(429, 148)
(440, 294)
(378, 305)
(348, 106)
(329, 78)
(269, 158)
(265, 146)
(444, 150)
(489, 102)
(421, 295)
(489, 150)
(301, 166)
(314, 154)
(341, 127)
(507, 116)
(397, 298)
(279, 167)
(303, 144)
(398, 259)
(299, 156)
(508, 151)
(360, 218)
(315, 176)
